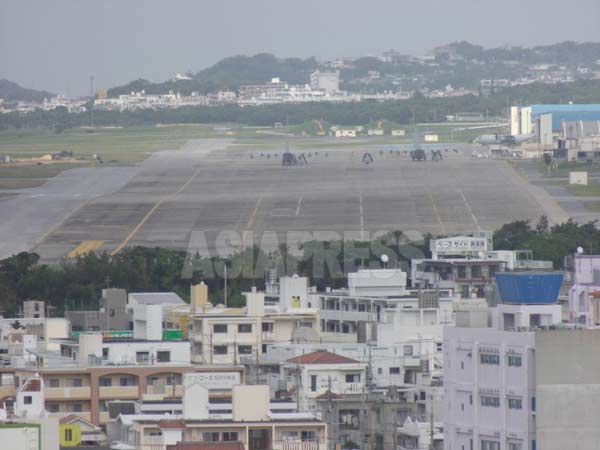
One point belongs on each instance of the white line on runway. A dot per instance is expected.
(362, 222)
(470, 210)
(298, 207)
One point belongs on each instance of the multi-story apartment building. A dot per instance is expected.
(234, 335)
(96, 368)
(490, 375)
(251, 425)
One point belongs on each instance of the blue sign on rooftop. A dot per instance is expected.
(529, 288)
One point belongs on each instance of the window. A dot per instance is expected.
(408, 350)
(313, 383)
(68, 435)
(307, 435)
(53, 382)
(489, 445)
(220, 328)
(125, 381)
(210, 436)
(476, 272)
(245, 349)
(245, 328)
(163, 356)
(533, 403)
(104, 354)
(514, 361)
(394, 370)
(267, 327)
(490, 359)
(264, 348)
(515, 403)
(306, 324)
(77, 407)
(470, 399)
(230, 436)
(493, 402)
(27, 400)
(514, 446)
(220, 349)
(379, 371)
(142, 357)
(439, 346)
(76, 382)
(353, 378)
(462, 365)
(52, 407)
(105, 382)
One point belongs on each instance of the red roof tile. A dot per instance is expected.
(322, 357)
(234, 445)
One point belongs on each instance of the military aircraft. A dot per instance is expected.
(502, 139)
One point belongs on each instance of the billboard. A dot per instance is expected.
(459, 244)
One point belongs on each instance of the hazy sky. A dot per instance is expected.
(58, 44)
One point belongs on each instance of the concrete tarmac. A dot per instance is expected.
(209, 187)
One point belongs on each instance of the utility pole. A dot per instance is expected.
(225, 280)
(431, 421)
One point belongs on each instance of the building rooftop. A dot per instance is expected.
(322, 357)
(156, 298)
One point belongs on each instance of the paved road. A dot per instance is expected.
(210, 187)
(29, 217)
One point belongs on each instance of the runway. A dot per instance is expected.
(210, 190)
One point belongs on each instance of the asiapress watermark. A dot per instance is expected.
(320, 254)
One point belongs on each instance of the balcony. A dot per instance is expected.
(63, 393)
(166, 390)
(294, 444)
(353, 388)
(119, 392)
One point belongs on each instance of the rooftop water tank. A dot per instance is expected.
(529, 288)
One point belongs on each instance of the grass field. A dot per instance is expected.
(114, 145)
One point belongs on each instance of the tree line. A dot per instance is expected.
(417, 109)
(77, 284)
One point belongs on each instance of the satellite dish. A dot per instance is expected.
(580, 250)
(384, 258)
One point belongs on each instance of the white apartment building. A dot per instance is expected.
(311, 375)
(251, 425)
(584, 295)
(325, 81)
(235, 335)
(490, 372)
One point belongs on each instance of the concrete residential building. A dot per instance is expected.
(325, 81)
(468, 264)
(584, 295)
(490, 375)
(222, 335)
(252, 425)
(313, 374)
(111, 315)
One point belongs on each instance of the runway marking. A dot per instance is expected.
(362, 221)
(436, 214)
(298, 207)
(84, 248)
(475, 221)
(152, 210)
(254, 211)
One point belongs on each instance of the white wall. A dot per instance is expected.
(467, 380)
